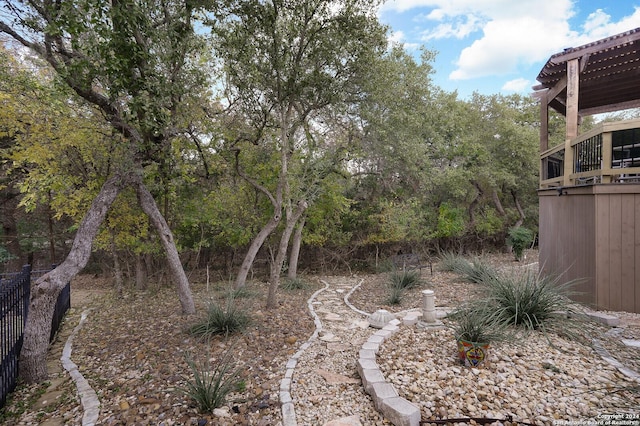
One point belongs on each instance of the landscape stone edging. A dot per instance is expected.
(286, 401)
(386, 400)
(396, 409)
(88, 397)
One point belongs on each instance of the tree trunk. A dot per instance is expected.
(256, 243)
(117, 269)
(497, 203)
(292, 273)
(150, 207)
(141, 273)
(276, 267)
(33, 357)
(520, 211)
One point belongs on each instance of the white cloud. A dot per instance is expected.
(507, 43)
(459, 28)
(517, 85)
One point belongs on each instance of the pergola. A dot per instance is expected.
(590, 184)
(599, 77)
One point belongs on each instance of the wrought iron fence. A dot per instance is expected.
(15, 290)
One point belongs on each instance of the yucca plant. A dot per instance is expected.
(209, 383)
(477, 271)
(395, 295)
(476, 322)
(219, 320)
(532, 301)
(452, 262)
(405, 279)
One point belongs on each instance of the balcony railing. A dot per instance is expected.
(608, 153)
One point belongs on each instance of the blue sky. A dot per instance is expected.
(500, 46)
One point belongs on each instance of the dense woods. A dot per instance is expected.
(245, 137)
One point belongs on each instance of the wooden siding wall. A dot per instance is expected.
(567, 240)
(592, 233)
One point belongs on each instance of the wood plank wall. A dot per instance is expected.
(592, 233)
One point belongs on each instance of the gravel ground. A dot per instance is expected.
(132, 351)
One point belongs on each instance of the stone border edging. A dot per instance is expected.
(286, 402)
(88, 397)
(606, 356)
(346, 299)
(386, 399)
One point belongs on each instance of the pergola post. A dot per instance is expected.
(573, 88)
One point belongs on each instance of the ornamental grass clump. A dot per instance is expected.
(478, 271)
(404, 279)
(452, 262)
(477, 323)
(533, 302)
(221, 320)
(209, 383)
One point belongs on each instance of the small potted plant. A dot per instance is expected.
(475, 328)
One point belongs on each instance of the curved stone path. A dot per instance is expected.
(343, 333)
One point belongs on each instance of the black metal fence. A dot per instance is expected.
(15, 290)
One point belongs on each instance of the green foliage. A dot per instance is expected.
(451, 221)
(532, 301)
(519, 239)
(209, 382)
(395, 295)
(221, 321)
(293, 284)
(477, 323)
(477, 271)
(452, 262)
(405, 280)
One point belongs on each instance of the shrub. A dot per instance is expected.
(519, 239)
(405, 279)
(210, 384)
(292, 284)
(220, 320)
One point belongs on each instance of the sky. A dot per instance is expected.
(500, 46)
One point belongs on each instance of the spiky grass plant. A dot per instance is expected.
(293, 284)
(476, 322)
(221, 320)
(209, 383)
(477, 271)
(405, 279)
(452, 262)
(395, 295)
(533, 302)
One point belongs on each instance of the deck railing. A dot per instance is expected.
(608, 153)
(15, 290)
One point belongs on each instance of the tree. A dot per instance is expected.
(136, 63)
(286, 63)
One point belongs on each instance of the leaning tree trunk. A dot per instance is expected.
(276, 267)
(150, 207)
(33, 356)
(296, 243)
(256, 243)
